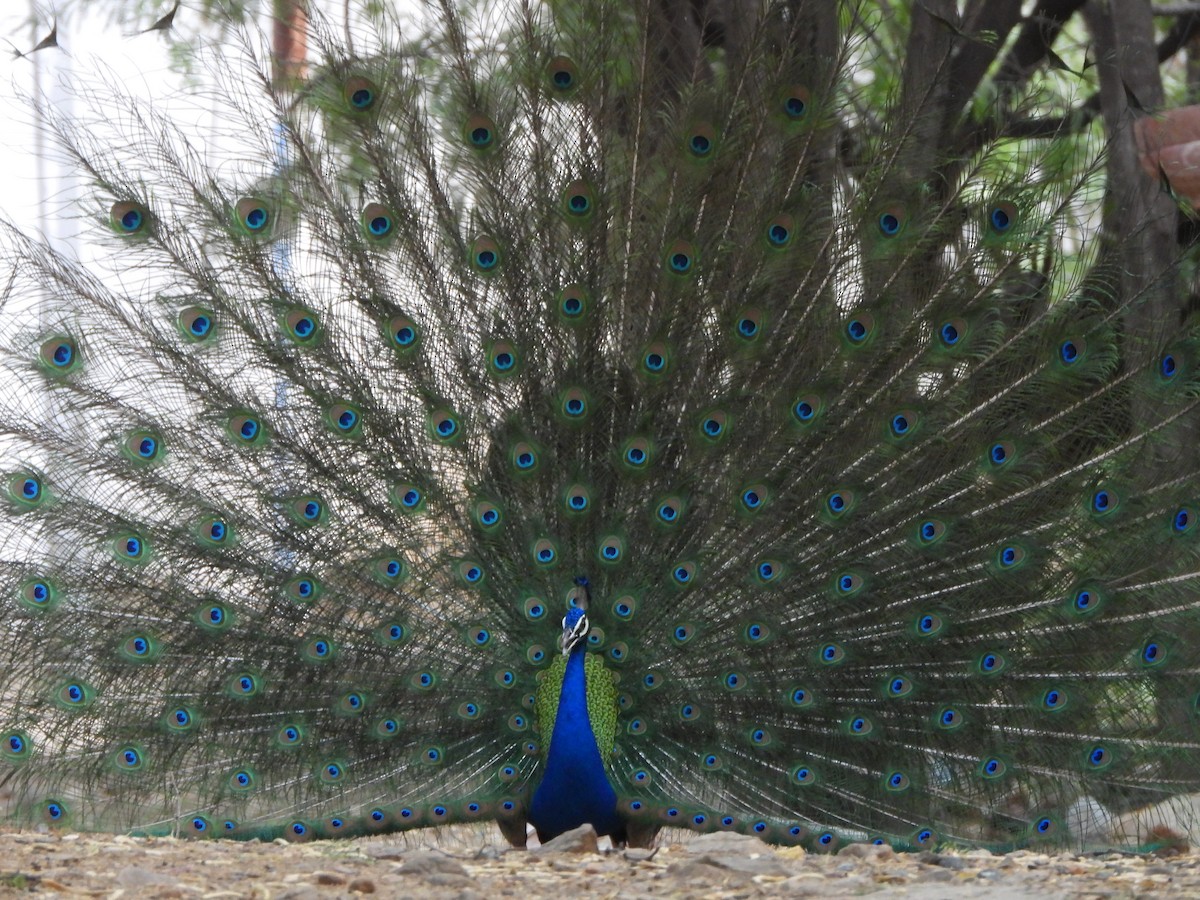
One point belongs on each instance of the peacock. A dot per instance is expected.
(622, 412)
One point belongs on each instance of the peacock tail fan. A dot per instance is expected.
(664, 403)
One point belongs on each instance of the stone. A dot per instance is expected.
(727, 842)
(640, 854)
(946, 861)
(876, 852)
(578, 840)
(427, 862)
(746, 865)
(384, 851)
(692, 870)
(133, 878)
(936, 875)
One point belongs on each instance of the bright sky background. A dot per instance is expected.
(87, 41)
(33, 192)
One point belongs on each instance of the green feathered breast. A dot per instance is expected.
(601, 702)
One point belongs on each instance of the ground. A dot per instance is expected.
(471, 863)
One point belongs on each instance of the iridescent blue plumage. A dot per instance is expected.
(574, 788)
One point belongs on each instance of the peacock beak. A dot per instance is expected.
(572, 636)
(567, 641)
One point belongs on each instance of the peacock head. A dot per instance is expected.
(575, 629)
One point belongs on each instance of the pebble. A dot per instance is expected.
(640, 854)
(578, 840)
(135, 878)
(877, 852)
(430, 862)
(937, 875)
(472, 863)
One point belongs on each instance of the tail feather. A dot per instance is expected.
(373, 374)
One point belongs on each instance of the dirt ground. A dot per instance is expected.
(474, 863)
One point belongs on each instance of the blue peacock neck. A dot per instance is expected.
(574, 787)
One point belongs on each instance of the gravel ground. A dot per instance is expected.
(473, 864)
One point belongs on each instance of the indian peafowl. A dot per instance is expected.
(584, 413)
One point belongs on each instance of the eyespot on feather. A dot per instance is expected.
(780, 232)
(378, 223)
(302, 326)
(579, 202)
(308, 510)
(891, 221)
(59, 356)
(571, 304)
(360, 93)
(485, 256)
(479, 132)
(562, 76)
(680, 259)
(656, 360)
(525, 458)
(247, 430)
(254, 217)
(795, 102)
(637, 454)
(444, 426)
(344, 419)
(700, 141)
(503, 360)
(197, 324)
(128, 217)
(403, 335)
(749, 325)
(1002, 218)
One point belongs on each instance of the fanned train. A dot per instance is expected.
(605, 412)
